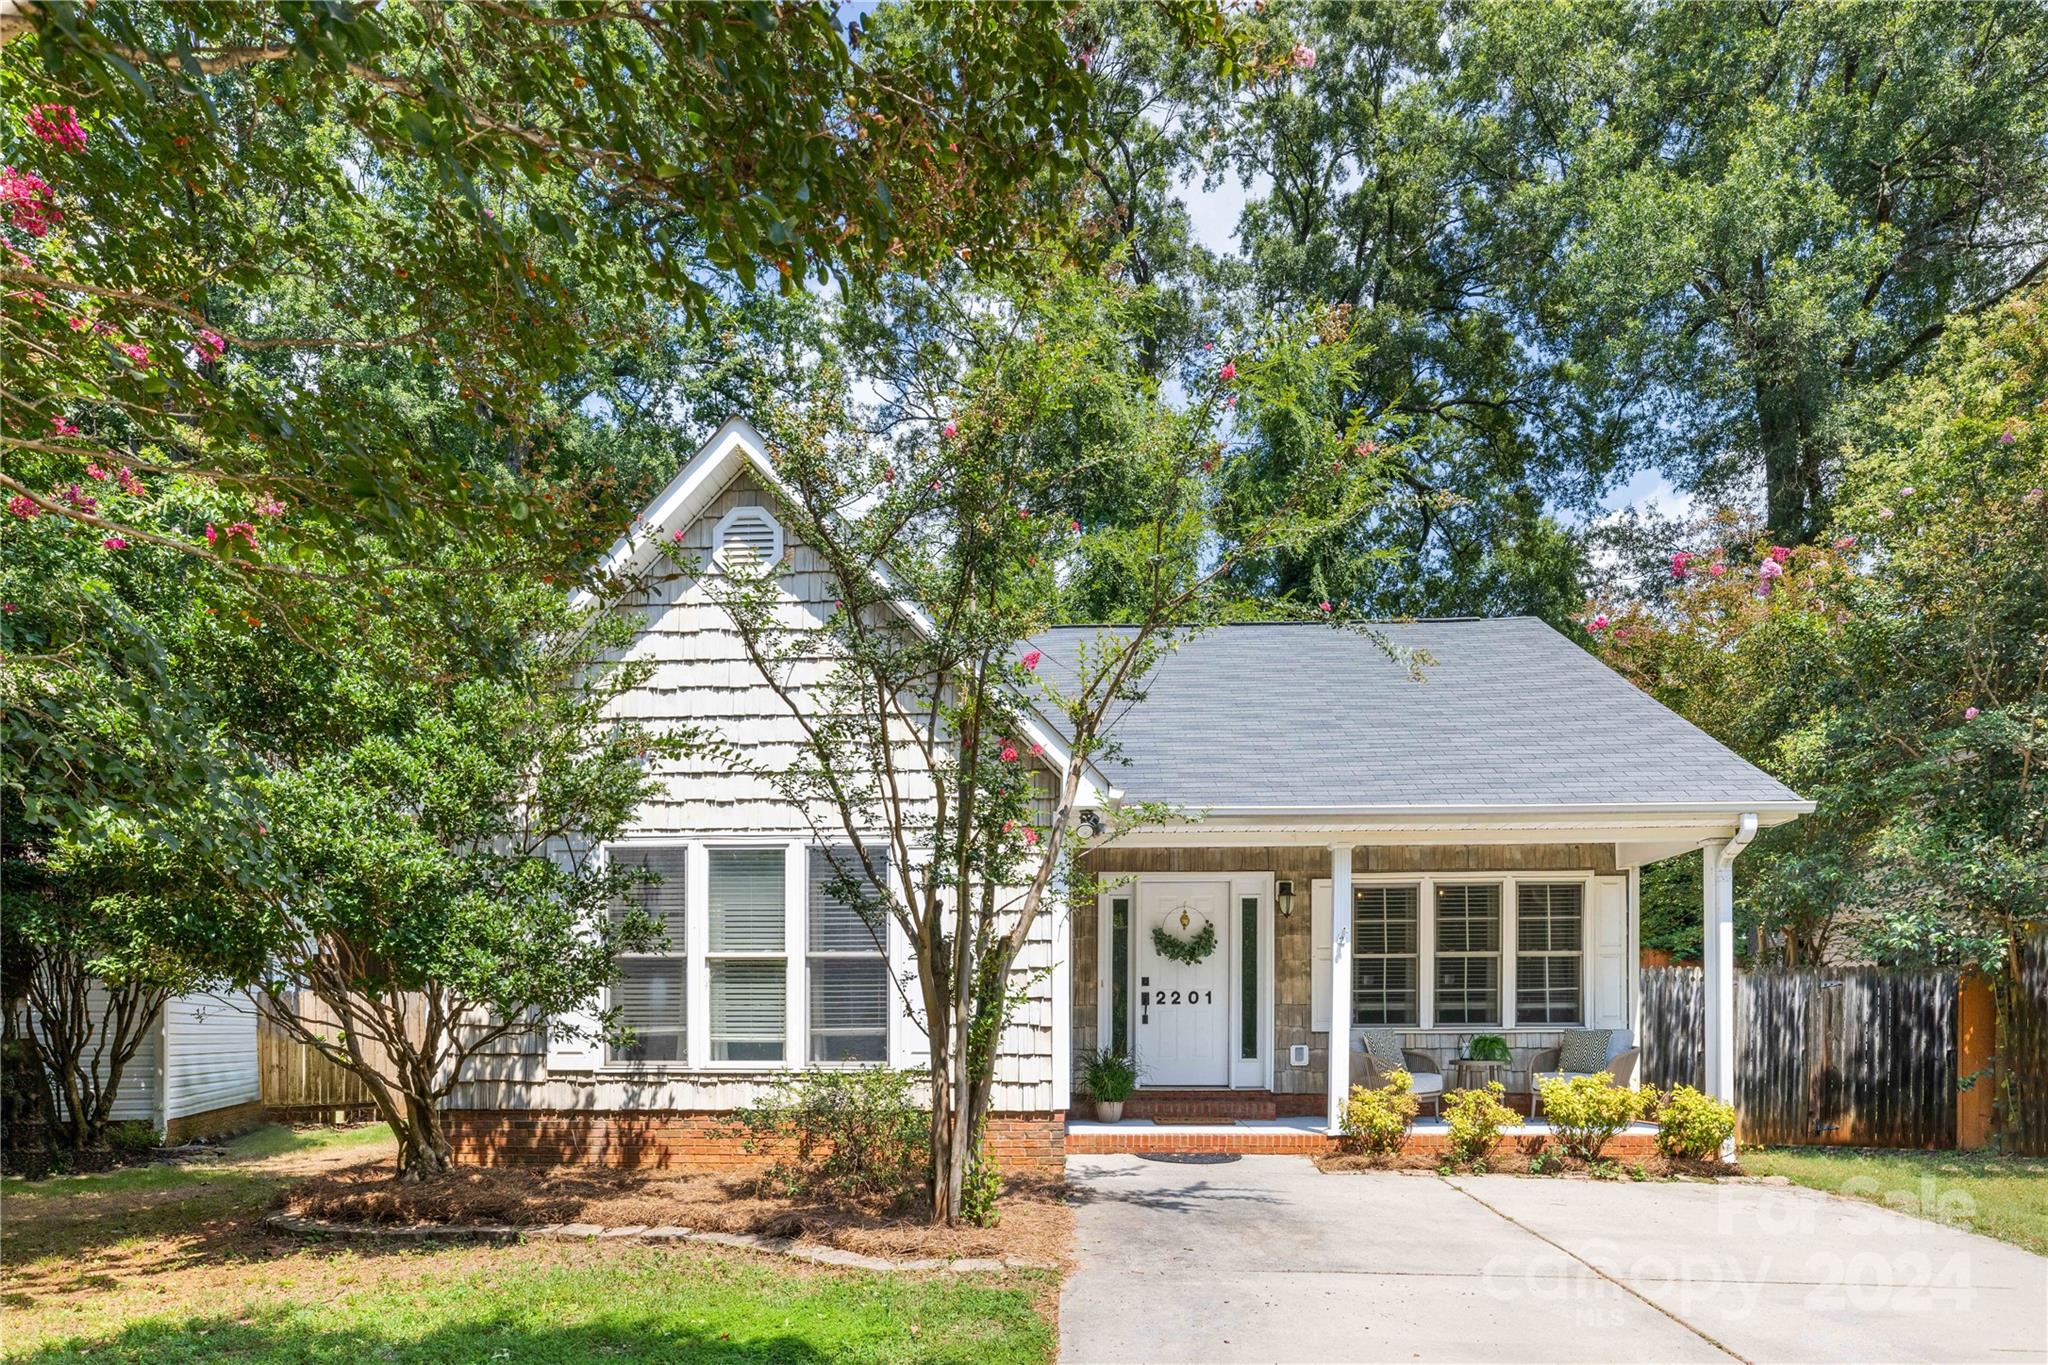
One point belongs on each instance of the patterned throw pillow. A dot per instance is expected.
(1584, 1051)
(1384, 1045)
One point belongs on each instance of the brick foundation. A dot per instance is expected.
(1250, 1141)
(695, 1140)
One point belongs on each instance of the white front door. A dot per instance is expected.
(1183, 1008)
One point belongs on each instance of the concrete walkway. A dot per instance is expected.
(1268, 1259)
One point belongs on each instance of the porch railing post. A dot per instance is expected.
(1340, 981)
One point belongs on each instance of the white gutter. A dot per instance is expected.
(1747, 809)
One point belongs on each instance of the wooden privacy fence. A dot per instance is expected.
(2023, 1051)
(1853, 1056)
(300, 1083)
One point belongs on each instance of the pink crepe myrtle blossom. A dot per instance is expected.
(1970, 713)
(114, 543)
(1302, 57)
(269, 507)
(1324, 606)
(1228, 372)
(1770, 569)
(2007, 436)
(1030, 661)
(1678, 562)
(1208, 345)
(9, 607)
(24, 506)
(888, 474)
(1717, 569)
(80, 499)
(212, 533)
(56, 124)
(1844, 542)
(1365, 447)
(950, 429)
(1230, 402)
(1037, 749)
(63, 426)
(1074, 526)
(210, 344)
(1009, 751)
(1885, 514)
(1907, 491)
(1030, 835)
(137, 353)
(30, 203)
(675, 537)
(93, 471)
(1598, 622)
(1621, 632)
(1780, 553)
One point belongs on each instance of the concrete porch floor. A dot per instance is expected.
(1293, 1134)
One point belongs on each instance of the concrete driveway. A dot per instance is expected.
(1268, 1259)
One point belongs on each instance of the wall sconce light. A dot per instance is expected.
(1092, 823)
(1284, 895)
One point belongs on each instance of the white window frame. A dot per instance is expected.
(1499, 954)
(1584, 881)
(607, 1062)
(881, 953)
(1426, 882)
(1425, 930)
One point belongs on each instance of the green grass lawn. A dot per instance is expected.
(175, 1265)
(2002, 1197)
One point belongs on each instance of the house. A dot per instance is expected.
(1443, 858)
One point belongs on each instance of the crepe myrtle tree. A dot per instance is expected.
(443, 889)
(916, 689)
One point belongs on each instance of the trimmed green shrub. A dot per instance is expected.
(1586, 1111)
(1693, 1125)
(1477, 1119)
(1377, 1121)
(131, 1139)
(1109, 1075)
(858, 1133)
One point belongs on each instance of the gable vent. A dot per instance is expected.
(747, 538)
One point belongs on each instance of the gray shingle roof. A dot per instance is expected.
(1511, 713)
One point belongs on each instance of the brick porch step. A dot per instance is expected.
(1200, 1104)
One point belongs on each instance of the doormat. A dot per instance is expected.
(1194, 1122)
(1191, 1158)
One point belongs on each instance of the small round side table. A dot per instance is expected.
(1472, 1074)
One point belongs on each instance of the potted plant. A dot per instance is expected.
(1489, 1047)
(1111, 1077)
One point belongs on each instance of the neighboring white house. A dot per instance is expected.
(195, 1073)
(1440, 858)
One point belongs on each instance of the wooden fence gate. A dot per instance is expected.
(1855, 1056)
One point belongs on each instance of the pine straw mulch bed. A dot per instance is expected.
(1508, 1159)
(1034, 1224)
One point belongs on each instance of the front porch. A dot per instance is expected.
(1303, 1135)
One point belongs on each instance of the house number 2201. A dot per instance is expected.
(1193, 998)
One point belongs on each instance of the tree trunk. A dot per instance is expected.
(1786, 419)
(423, 1149)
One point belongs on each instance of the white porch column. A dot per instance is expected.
(1717, 881)
(1340, 981)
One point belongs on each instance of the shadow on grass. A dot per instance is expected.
(222, 1339)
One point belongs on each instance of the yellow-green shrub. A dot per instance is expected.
(1476, 1119)
(1691, 1124)
(1586, 1111)
(1378, 1120)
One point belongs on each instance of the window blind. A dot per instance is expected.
(746, 894)
(1383, 955)
(749, 1010)
(651, 991)
(1549, 939)
(1467, 964)
(849, 973)
(665, 901)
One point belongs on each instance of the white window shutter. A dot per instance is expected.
(1607, 953)
(581, 1052)
(1319, 956)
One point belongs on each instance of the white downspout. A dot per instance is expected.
(1719, 943)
